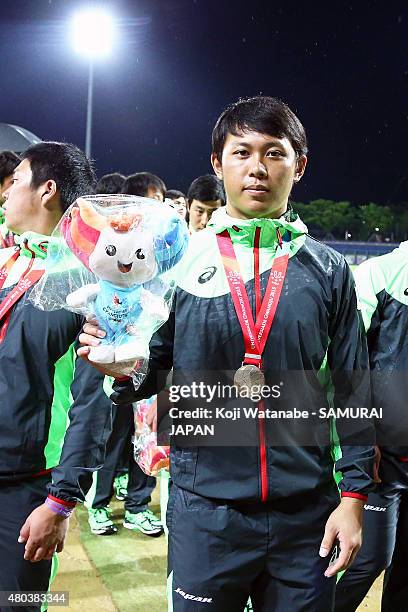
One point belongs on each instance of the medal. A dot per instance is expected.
(249, 379)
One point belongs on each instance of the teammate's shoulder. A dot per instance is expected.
(377, 272)
(384, 264)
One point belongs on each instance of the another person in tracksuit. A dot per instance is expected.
(48, 450)
(252, 520)
(382, 285)
(139, 487)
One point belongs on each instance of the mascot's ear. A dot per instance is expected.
(90, 216)
(170, 248)
(171, 235)
(80, 230)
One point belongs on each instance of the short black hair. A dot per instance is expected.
(173, 194)
(139, 183)
(110, 183)
(206, 188)
(8, 162)
(65, 164)
(262, 114)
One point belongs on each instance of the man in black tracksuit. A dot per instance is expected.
(250, 519)
(382, 285)
(48, 450)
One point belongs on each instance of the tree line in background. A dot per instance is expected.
(330, 220)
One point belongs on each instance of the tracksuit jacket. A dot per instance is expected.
(317, 328)
(382, 284)
(37, 367)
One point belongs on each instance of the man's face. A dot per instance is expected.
(200, 213)
(180, 205)
(4, 186)
(155, 193)
(258, 173)
(22, 200)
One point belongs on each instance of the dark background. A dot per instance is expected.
(342, 66)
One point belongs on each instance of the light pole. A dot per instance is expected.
(89, 109)
(92, 31)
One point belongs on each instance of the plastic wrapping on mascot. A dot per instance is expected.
(126, 255)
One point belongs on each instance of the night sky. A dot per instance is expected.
(177, 63)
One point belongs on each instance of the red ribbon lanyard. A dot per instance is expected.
(28, 280)
(255, 333)
(15, 294)
(7, 266)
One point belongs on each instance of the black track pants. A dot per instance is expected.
(385, 545)
(17, 501)
(222, 553)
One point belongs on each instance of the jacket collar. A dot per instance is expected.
(289, 222)
(32, 243)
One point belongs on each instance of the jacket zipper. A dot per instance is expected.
(262, 455)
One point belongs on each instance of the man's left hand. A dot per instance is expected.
(44, 533)
(345, 525)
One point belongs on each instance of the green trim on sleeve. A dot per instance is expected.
(108, 385)
(90, 496)
(64, 374)
(324, 377)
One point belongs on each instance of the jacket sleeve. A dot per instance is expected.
(160, 364)
(90, 423)
(370, 281)
(349, 365)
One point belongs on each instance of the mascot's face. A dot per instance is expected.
(124, 258)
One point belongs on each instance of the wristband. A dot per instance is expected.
(359, 496)
(60, 509)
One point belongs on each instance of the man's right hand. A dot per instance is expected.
(91, 336)
(345, 525)
(43, 534)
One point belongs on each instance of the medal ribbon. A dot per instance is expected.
(28, 280)
(255, 332)
(7, 266)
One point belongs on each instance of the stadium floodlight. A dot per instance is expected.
(92, 34)
(92, 31)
